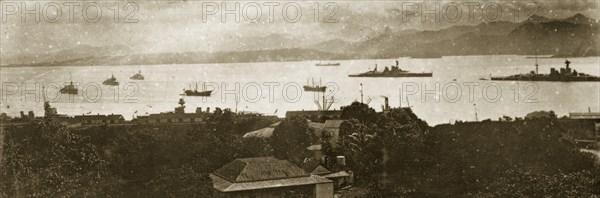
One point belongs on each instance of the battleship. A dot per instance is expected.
(137, 76)
(70, 88)
(112, 81)
(195, 92)
(313, 87)
(394, 72)
(563, 75)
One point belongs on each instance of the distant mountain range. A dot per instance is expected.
(575, 36)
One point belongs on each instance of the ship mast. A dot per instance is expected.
(536, 64)
(361, 93)
(476, 118)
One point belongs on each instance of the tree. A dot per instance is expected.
(362, 148)
(47, 160)
(359, 111)
(291, 138)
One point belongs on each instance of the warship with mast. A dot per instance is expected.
(112, 81)
(563, 75)
(195, 92)
(394, 72)
(70, 88)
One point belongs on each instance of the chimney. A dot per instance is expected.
(22, 114)
(31, 115)
(340, 160)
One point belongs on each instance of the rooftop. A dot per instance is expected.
(262, 133)
(260, 173)
(259, 169)
(585, 115)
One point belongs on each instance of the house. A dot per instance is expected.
(340, 178)
(177, 116)
(585, 116)
(316, 115)
(332, 131)
(268, 177)
(99, 119)
(171, 117)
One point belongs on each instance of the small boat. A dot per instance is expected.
(70, 88)
(314, 88)
(395, 72)
(137, 76)
(327, 64)
(112, 81)
(195, 92)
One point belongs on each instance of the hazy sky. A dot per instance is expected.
(181, 26)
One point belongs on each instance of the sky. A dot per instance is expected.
(189, 26)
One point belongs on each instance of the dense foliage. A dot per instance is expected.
(392, 154)
(162, 160)
(395, 154)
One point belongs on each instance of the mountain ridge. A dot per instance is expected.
(574, 36)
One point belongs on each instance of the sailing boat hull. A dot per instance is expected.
(197, 93)
(110, 83)
(315, 89)
(66, 90)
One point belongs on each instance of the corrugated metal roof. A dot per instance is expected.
(320, 170)
(261, 133)
(258, 169)
(333, 123)
(223, 185)
(268, 131)
(338, 174)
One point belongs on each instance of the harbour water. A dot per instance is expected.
(276, 87)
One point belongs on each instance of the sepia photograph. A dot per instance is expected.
(299, 98)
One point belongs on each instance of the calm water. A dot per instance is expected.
(276, 87)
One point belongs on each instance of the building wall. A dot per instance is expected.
(324, 190)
